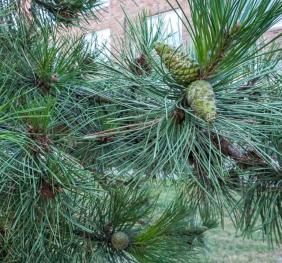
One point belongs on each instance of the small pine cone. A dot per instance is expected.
(200, 97)
(183, 69)
(120, 240)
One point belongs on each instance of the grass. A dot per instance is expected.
(224, 246)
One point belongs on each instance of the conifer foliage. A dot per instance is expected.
(86, 144)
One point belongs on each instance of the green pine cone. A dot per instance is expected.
(183, 69)
(120, 240)
(200, 97)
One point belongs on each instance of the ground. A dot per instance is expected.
(224, 246)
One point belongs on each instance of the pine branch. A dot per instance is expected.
(223, 49)
(243, 158)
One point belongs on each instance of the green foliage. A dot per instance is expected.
(66, 12)
(162, 136)
(262, 198)
(82, 139)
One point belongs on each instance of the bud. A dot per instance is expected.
(236, 28)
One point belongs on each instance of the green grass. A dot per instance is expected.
(224, 246)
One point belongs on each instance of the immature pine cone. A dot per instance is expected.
(200, 97)
(183, 69)
(120, 240)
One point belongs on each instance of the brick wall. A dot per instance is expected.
(274, 33)
(113, 17)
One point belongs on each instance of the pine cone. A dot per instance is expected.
(120, 240)
(200, 97)
(183, 69)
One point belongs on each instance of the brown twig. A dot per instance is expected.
(141, 66)
(179, 116)
(41, 139)
(48, 190)
(123, 129)
(223, 49)
(243, 159)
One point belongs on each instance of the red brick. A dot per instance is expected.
(113, 18)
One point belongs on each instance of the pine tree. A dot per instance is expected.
(87, 144)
